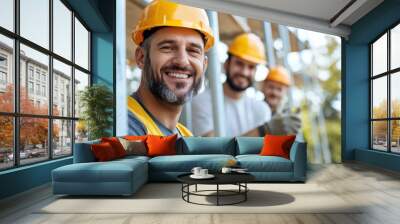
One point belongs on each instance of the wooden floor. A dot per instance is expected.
(378, 188)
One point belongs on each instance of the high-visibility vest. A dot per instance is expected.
(151, 127)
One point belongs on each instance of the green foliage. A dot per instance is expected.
(96, 102)
(331, 87)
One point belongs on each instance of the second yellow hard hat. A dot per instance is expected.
(279, 74)
(248, 46)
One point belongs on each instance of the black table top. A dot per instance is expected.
(220, 178)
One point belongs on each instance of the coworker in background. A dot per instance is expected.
(172, 40)
(242, 113)
(275, 88)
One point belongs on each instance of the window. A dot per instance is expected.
(385, 94)
(3, 61)
(42, 68)
(37, 74)
(3, 71)
(7, 14)
(43, 90)
(38, 89)
(30, 72)
(30, 87)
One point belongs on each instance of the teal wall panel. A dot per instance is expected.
(24, 178)
(355, 81)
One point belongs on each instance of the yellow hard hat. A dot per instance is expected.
(279, 74)
(248, 46)
(165, 13)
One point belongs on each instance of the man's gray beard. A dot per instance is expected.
(161, 90)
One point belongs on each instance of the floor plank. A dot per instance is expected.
(377, 190)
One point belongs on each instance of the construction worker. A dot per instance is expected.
(172, 40)
(275, 88)
(242, 113)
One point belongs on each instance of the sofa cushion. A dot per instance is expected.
(277, 145)
(83, 152)
(116, 145)
(206, 145)
(185, 163)
(134, 147)
(161, 145)
(257, 163)
(112, 171)
(248, 145)
(103, 152)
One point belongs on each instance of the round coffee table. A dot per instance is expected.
(238, 179)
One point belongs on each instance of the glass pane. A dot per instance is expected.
(81, 131)
(34, 97)
(81, 45)
(35, 21)
(395, 47)
(6, 74)
(379, 55)
(379, 98)
(33, 139)
(62, 29)
(395, 136)
(81, 81)
(62, 89)
(395, 94)
(7, 14)
(62, 141)
(379, 135)
(6, 142)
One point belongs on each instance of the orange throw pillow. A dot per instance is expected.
(135, 138)
(116, 145)
(161, 145)
(277, 145)
(103, 152)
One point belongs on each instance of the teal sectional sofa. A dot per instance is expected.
(125, 176)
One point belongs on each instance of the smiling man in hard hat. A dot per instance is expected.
(172, 40)
(275, 88)
(242, 113)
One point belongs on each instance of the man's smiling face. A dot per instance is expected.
(174, 63)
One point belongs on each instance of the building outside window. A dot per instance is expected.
(57, 126)
(385, 92)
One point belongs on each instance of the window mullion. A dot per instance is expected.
(50, 81)
(389, 94)
(73, 83)
(16, 84)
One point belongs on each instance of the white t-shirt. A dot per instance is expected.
(240, 115)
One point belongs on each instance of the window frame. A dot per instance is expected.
(388, 74)
(16, 115)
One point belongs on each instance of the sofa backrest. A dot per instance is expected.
(83, 152)
(249, 145)
(206, 145)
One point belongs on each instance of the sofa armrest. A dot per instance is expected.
(298, 155)
(83, 152)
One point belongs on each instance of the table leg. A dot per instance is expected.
(245, 193)
(196, 188)
(217, 194)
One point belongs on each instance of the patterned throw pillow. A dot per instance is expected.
(134, 147)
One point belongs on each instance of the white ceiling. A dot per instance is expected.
(316, 15)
